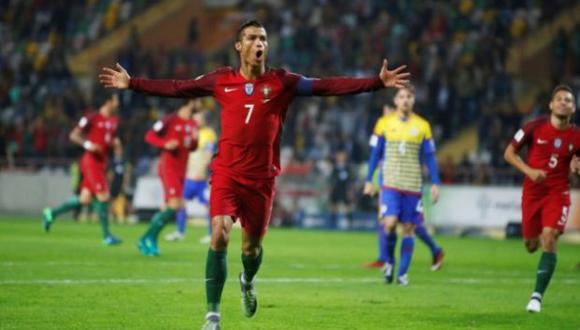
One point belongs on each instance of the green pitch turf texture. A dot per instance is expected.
(309, 280)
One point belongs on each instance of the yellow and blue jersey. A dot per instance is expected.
(197, 166)
(403, 145)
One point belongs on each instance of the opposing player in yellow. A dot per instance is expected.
(197, 173)
(403, 140)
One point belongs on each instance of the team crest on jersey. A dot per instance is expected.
(266, 91)
(249, 88)
(188, 128)
(557, 143)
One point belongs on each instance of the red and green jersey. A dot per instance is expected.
(551, 150)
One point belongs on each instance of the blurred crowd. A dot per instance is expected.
(455, 50)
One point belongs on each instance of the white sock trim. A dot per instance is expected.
(537, 295)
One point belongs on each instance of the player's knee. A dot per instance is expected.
(549, 239)
(408, 229)
(531, 245)
(250, 249)
(103, 197)
(390, 225)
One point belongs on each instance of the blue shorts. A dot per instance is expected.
(407, 207)
(193, 189)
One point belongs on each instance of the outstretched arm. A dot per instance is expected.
(120, 79)
(396, 78)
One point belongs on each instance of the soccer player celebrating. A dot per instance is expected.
(176, 136)
(552, 143)
(197, 174)
(254, 101)
(97, 134)
(403, 139)
(420, 230)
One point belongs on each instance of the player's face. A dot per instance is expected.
(253, 46)
(404, 100)
(186, 111)
(562, 104)
(199, 118)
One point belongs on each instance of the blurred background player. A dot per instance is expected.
(341, 197)
(437, 253)
(552, 143)
(197, 173)
(176, 136)
(97, 134)
(404, 139)
(254, 100)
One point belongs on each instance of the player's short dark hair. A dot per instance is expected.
(563, 87)
(103, 96)
(246, 24)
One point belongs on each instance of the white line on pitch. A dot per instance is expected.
(320, 280)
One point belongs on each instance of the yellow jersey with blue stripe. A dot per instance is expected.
(405, 143)
(197, 164)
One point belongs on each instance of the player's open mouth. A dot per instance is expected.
(259, 54)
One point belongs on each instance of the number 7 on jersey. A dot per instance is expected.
(250, 108)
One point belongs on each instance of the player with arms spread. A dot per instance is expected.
(254, 100)
(553, 143)
(176, 136)
(97, 134)
(404, 141)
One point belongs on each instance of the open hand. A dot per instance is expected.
(397, 78)
(115, 79)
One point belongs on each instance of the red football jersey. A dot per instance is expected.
(549, 149)
(99, 130)
(253, 111)
(173, 127)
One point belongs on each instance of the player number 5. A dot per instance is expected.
(250, 108)
(553, 161)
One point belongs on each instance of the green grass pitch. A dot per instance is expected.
(309, 280)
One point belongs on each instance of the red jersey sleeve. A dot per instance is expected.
(198, 87)
(155, 136)
(524, 135)
(304, 86)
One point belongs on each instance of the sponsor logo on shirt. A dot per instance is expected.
(540, 141)
(227, 90)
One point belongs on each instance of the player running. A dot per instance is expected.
(553, 144)
(176, 136)
(404, 140)
(437, 253)
(197, 174)
(97, 134)
(254, 99)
